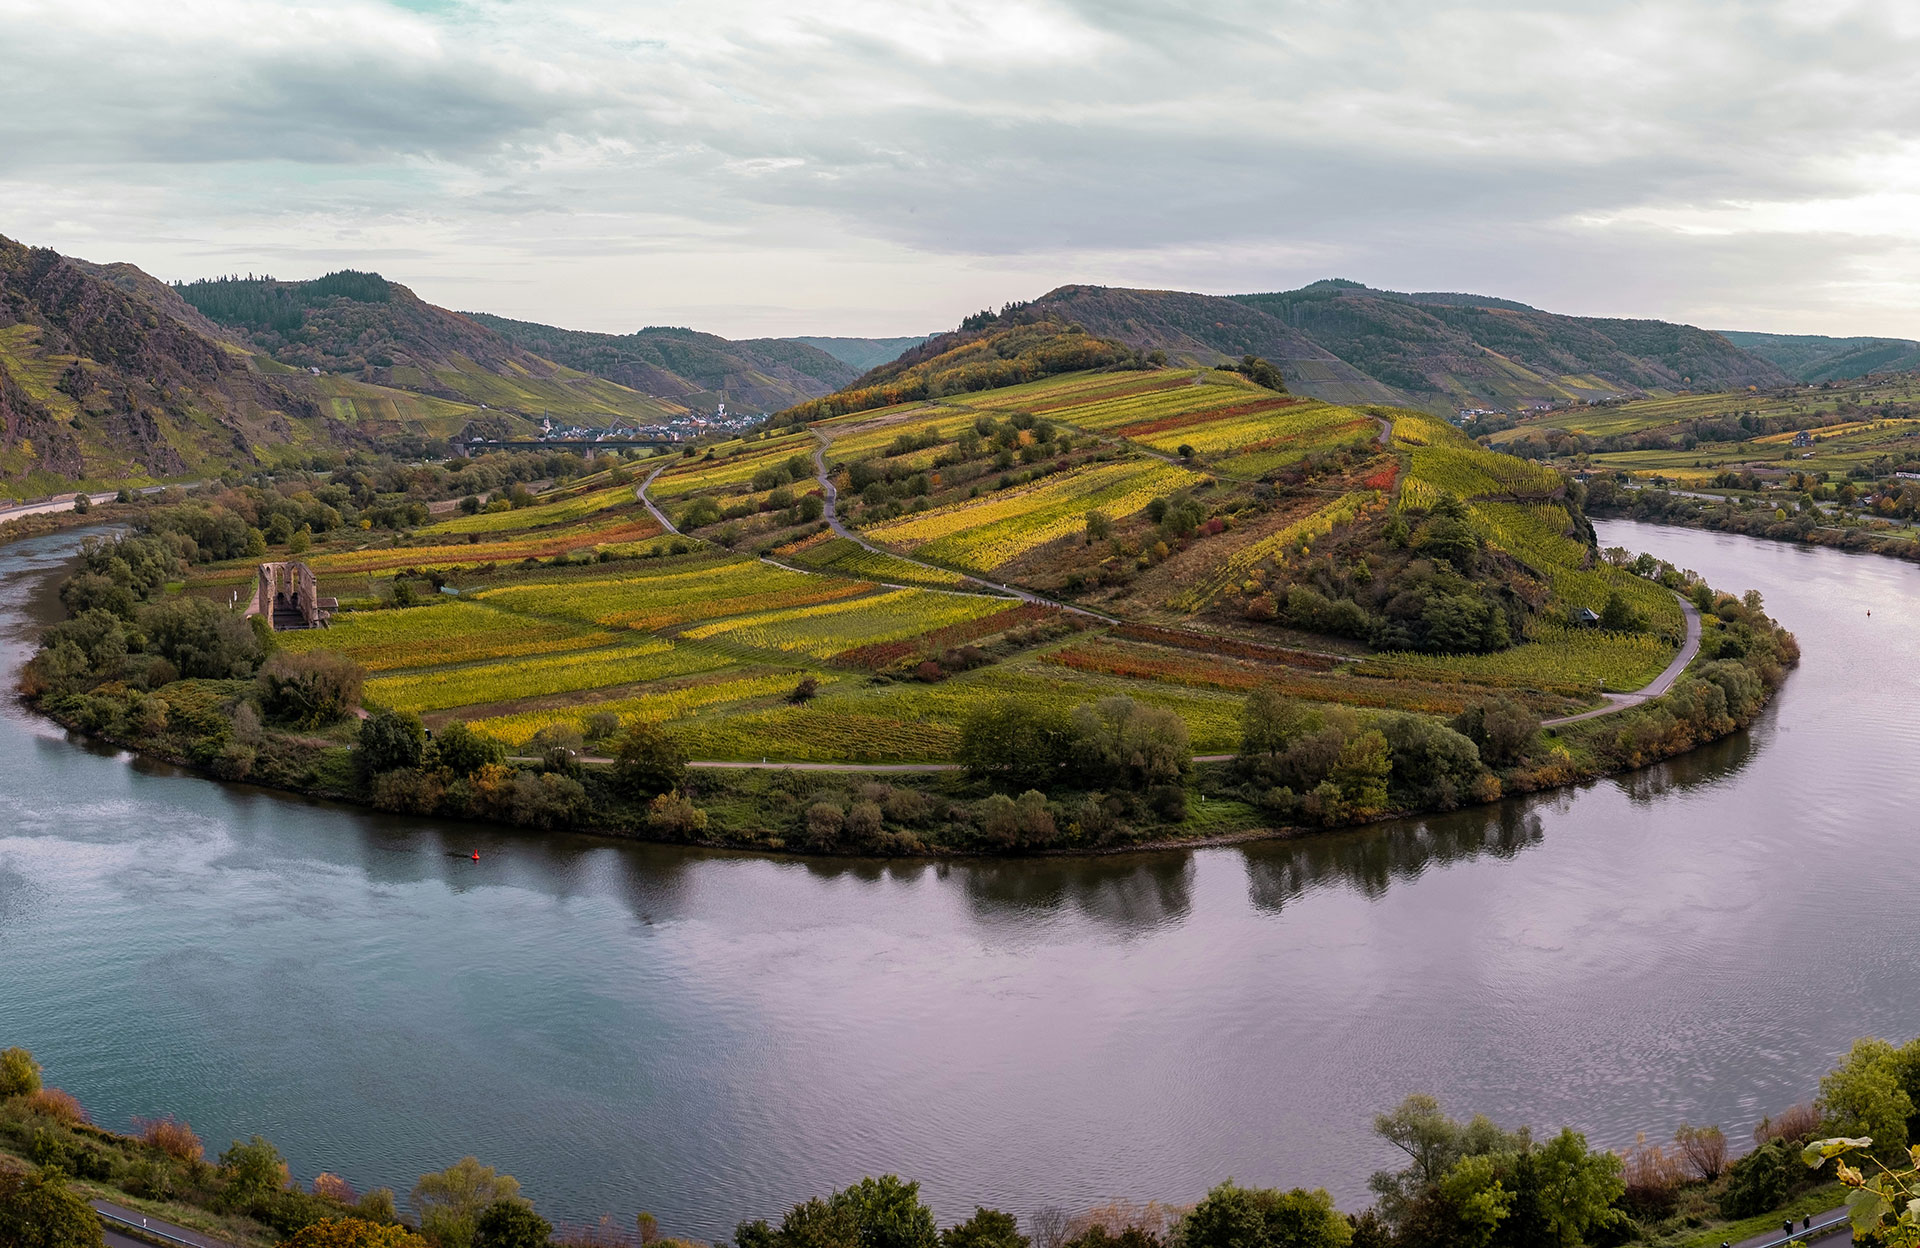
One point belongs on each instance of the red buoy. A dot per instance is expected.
(476, 855)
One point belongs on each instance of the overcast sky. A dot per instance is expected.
(878, 168)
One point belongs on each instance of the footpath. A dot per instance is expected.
(129, 1228)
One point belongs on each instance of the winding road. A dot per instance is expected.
(830, 496)
(1660, 684)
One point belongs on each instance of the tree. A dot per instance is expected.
(390, 740)
(1271, 721)
(1619, 616)
(19, 1073)
(1433, 766)
(511, 1224)
(887, 1213)
(873, 1213)
(1862, 1096)
(251, 1172)
(310, 690)
(1118, 743)
(1016, 743)
(1502, 729)
(449, 1202)
(38, 1211)
(647, 761)
(1240, 1217)
(464, 751)
(82, 503)
(987, 1228)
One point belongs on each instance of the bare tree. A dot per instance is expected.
(1705, 1150)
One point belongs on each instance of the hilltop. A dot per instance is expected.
(696, 369)
(108, 376)
(1438, 351)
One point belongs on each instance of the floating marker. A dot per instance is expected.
(476, 855)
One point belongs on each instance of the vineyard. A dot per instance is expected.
(577, 605)
(846, 557)
(823, 631)
(1289, 541)
(982, 535)
(576, 508)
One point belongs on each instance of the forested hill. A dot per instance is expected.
(108, 376)
(363, 326)
(1816, 357)
(1441, 351)
(695, 368)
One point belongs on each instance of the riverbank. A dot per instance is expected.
(192, 697)
(1801, 527)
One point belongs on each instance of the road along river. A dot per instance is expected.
(715, 1036)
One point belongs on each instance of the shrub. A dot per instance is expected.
(670, 814)
(389, 740)
(547, 800)
(463, 751)
(37, 1211)
(449, 1202)
(62, 1107)
(805, 690)
(310, 690)
(170, 1136)
(19, 1073)
(511, 1224)
(408, 791)
(1239, 1217)
(987, 1228)
(251, 1175)
(354, 1233)
(1501, 728)
(1758, 1182)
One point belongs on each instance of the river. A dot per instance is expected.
(715, 1036)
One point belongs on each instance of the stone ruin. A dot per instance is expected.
(287, 595)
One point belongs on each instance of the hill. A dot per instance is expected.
(109, 377)
(1069, 586)
(1817, 358)
(863, 353)
(1439, 351)
(695, 369)
(1020, 343)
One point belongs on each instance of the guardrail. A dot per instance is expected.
(152, 1234)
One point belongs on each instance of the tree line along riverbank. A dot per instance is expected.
(183, 678)
(1467, 1182)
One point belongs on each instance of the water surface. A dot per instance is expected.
(715, 1036)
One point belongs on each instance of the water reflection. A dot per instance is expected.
(1370, 859)
(1128, 894)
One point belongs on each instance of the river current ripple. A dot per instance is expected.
(715, 1036)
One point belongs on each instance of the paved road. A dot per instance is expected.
(1830, 1230)
(1661, 683)
(119, 1223)
(64, 502)
(641, 494)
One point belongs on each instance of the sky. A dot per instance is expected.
(882, 167)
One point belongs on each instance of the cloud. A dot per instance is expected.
(899, 162)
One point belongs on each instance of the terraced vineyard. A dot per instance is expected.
(1203, 513)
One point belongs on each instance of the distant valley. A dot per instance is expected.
(110, 376)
